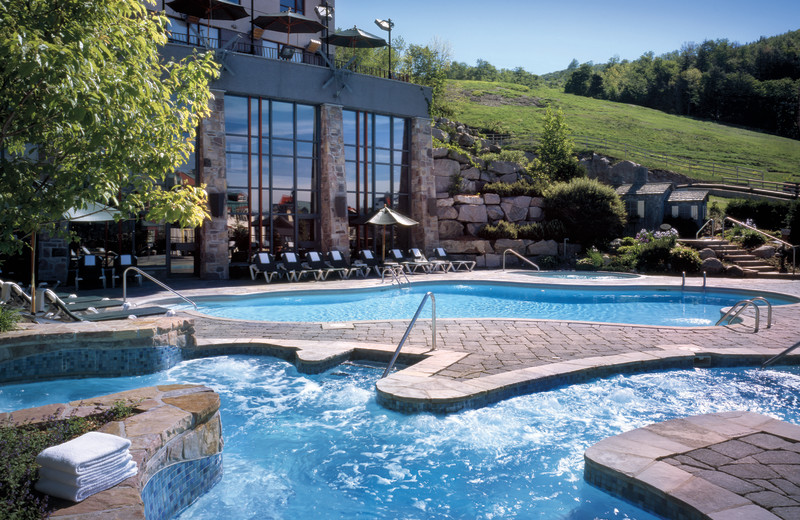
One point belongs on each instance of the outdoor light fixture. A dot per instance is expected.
(387, 25)
(286, 52)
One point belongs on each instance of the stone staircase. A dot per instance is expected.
(733, 254)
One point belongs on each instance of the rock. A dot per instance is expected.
(473, 213)
(473, 229)
(491, 198)
(502, 244)
(460, 157)
(471, 173)
(447, 213)
(450, 229)
(440, 153)
(486, 146)
(706, 253)
(543, 247)
(440, 134)
(472, 246)
(509, 178)
(503, 167)
(469, 186)
(516, 208)
(446, 168)
(444, 203)
(466, 140)
(493, 148)
(442, 184)
(468, 199)
(535, 214)
(537, 202)
(623, 172)
(735, 271)
(495, 212)
(712, 266)
(490, 260)
(764, 252)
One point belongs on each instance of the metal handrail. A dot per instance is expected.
(136, 269)
(775, 359)
(683, 280)
(518, 255)
(713, 223)
(775, 239)
(740, 306)
(411, 325)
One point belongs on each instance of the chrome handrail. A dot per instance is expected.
(775, 239)
(136, 269)
(769, 308)
(518, 255)
(775, 359)
(411, 326)
(740, 306)
(713, 223)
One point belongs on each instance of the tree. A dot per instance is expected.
(592, 212)
(555, 156)
(427, 66)
(89, 113)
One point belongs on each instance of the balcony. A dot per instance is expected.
(244, 45)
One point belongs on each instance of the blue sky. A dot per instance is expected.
(544, 37)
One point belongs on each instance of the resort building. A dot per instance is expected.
(300, 148)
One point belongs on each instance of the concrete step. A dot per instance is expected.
(739, 257)
(775, 275)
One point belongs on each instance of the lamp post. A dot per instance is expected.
(325, 12)
(387, 25)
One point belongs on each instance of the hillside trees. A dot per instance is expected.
(555, 157)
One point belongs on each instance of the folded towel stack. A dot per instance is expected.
(84, 466)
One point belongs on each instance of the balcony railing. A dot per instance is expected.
(245, 46)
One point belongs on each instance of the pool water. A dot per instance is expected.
(582, 275)
(301, 446)
(668, 306)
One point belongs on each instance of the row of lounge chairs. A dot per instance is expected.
(90, 269)
(321, 266)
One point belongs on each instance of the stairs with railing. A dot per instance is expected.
(733, 254)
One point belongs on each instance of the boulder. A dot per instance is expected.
(466, 140)
(516, 208)
(495, 212)
(535, 214)
(735, 271)
(460, 157)
(706, 253)
(440, 153)
(764, 252)
(509, 178)
(438, 133)
(450, 229)
(446, 168)
(447, 213)
(712, 266)
(442, 184)
(473, 229)
(444, 202)
(491, 198)
(468, 199)
(503, 167)
(472, 213)
(543, 247)
(537, 202)
(501, 244)
(471, 247)
(471, 174)
(491, 261)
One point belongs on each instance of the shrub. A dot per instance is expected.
(623, 262)
(766, 214)
(793, 221)
(531, 231)
(585, 264)
(502, 229)
(515, 156)
(628, 241)
(547, 262)
(592, 213)
(514, 189)
(684, 259)
(8, 318)
(751, 239)
(456, 185)
(654, 255)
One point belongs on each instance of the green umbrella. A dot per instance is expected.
(387, 217)
(355, 38)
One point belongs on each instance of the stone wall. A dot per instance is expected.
(333, 191)
(213, 243)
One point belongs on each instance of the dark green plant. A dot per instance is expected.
(585, 264)
(751, 239)
(683, 258)
(514, 189)
(556, 158)
(554, 229)
(456, 185)
(793, 222)
(592, 213)
(766, 214)
(654, 255)
(502, 229)
(548, 262)
(531, 231)
(628, 241)
(8, 318)
(622, 262)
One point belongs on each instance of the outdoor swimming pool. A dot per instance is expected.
(300, 446)
(644, 305)
(582, 275)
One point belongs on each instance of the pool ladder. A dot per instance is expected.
(162, 285)
(740, 306)
(411, 326)
(775, 359)
(519, 256)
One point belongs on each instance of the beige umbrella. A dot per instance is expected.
(386, 217)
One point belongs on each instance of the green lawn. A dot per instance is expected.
(520, 109)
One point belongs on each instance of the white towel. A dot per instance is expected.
(90, 478)
(80, 493)
(82, 454)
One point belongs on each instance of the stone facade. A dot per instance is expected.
(333, 196)
(423, 186)
(213, 242)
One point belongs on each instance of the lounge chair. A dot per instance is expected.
(336, 259)
(368, 260)
(293, 267)
(409, 263)
(61, 306)
(418, 261)
(265, 263)
(316, 265)
(122, 262)
(90, 269)
(13, 294)
(441, 255)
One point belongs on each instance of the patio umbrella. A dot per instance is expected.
(387, 217)
(355, 38)
(93, 212)
(288, 22)
(210, 9)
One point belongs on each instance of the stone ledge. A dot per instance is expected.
(716, 466)
(175, 423)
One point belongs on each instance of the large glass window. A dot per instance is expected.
(273, 179)
(377, 174)
(296, 6)
(193, 33)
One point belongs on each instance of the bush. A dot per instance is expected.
(793, 221)
(514, 189)
(585, 264)
(502, 229)
(531, 231)
(766, 214)
(684, 259)
(547, 262)
(654, 255)
(8, 318)
(752, 239)
(592, 213)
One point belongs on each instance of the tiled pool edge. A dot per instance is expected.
(639, 466)
(177, 429)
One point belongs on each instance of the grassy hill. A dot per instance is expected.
(519, 110)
